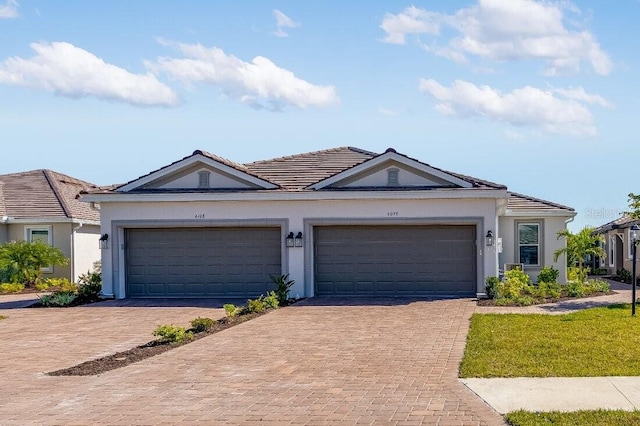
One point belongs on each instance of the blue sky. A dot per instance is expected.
(540, 96)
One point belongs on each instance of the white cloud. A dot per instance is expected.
(282, 22)
(505, 30)
(579, 94)
(411, 21)
(259, 83)
(70, 71)
(525, 106)
(9, 10)
(388, 112)
(513, 135)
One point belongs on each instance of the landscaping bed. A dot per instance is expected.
(152, 348)
(540, 300)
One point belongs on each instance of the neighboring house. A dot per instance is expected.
(43, 205)
(342, 221)
(617, 244)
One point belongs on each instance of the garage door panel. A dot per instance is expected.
(201, 262)
(388, 260)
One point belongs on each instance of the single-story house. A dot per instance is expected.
(341, 221)
(617, 244)
(43, 205)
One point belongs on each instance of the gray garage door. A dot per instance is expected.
(201, 262)
(395, 260)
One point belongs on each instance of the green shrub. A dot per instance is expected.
(623, 275)
(58, 299)
(172, 333)
(601, 271)
(271, 301)
(199, 325)
(524, 301)
(230, 309)
(22, 261)
(504, 301)
(255, 305)
(11, 287)
(513, 285)
(283, 286)
(575, 289)
(62, 284)
(491, 284)
(548, 275)
(598, 286)
(548, 290)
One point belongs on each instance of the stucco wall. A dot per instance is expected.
(550, 226)
(86, 250)
(4, 233)
(299, 216)
(61, 238)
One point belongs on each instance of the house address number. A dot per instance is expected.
(200, 216)
(393, 214)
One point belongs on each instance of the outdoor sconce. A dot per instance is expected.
(290, 239)
(103, 242)
(298, 242)
(489, 239)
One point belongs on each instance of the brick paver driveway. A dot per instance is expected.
(318, 362)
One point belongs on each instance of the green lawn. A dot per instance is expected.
(593, 342)
(583, 418)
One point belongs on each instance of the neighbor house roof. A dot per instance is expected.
(522, 203)
(621, 222)
(44, 194)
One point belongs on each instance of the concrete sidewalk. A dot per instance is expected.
(558, 393)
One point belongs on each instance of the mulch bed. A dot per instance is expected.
(153, 348)
(491, 302)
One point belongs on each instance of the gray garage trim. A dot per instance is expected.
(477, 223)
(118, 228)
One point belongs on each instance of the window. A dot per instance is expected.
(612, 250)
(42, 234)
(203, 179)
(529, 243)
(392, 177)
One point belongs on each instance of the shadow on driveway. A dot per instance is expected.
(371, 301)
(166, 303)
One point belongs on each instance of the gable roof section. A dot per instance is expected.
(523, 205)
(296, 172)
(44, 194)
(451, 180)
(236, 170)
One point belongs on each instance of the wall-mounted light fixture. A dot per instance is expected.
(290, 240)
(103, 242)
(488, 239)
(298, 240)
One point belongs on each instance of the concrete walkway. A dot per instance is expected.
(560, 393)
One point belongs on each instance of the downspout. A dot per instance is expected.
(73, 250)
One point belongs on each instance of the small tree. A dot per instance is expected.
(23, 261)
(634, 205)
(580, 245)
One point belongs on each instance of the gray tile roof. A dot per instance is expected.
(295, 172)
(44, 194)
(520, 202)
(621, 222)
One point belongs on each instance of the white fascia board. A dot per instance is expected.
(190, 161)
(299, 196)
(538, 213)
(395, 157)
(45, 220)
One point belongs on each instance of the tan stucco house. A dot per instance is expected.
(341, 221)
(43, 205)
(617, 244)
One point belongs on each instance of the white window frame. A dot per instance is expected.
(539, 245)
(612, 251)
(28, 233)
(629, 245)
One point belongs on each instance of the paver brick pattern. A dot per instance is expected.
(321, 361)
